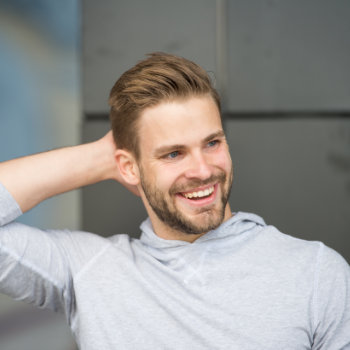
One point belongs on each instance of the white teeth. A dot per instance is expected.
(200, 194)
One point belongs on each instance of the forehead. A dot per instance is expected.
(184, 122)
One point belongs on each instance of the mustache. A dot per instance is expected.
(190, 184)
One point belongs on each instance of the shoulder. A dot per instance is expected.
(301, 247)
(300, 256)
(81, 248)
(89, 243)
(288, 246)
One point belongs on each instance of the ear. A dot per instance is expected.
(128, 168)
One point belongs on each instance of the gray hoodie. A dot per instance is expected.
(244, 286)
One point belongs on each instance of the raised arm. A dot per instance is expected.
(35, 178)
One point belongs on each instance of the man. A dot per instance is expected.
(200, 277)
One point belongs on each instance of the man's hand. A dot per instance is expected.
(35, 178)
(115, 174)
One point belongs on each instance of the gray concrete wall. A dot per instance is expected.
(289, 55)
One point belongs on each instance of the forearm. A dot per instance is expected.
(34, 178)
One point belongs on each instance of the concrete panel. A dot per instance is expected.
(289, 55)
(117, 34)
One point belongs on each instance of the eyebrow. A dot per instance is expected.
(214, 135)
(168, 148)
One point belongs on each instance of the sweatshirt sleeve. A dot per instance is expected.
(332, 302)
(9, 209)
(33, 267)
(39, 266)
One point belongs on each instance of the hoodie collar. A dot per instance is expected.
(239, 223)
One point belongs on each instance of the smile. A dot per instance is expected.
(199, 194)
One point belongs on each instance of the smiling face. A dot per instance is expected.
(185, 167)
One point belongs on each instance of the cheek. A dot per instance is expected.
(223, 161)
(164, 177)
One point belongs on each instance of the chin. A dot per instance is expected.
(202, 223)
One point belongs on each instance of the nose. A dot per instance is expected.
(198, 167)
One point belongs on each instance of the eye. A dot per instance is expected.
(172, 155)
(212, 143)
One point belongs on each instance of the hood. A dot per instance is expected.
(237, 225)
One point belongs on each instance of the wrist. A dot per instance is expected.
(104, 162)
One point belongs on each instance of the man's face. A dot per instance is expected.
(185, 166)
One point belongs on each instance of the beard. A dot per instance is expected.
(209, 218)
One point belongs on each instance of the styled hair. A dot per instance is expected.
(160, 77)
